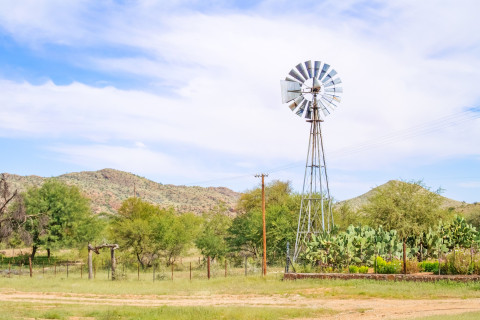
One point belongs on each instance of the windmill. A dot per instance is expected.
(312, 91)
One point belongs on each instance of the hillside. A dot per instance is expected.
(358, 202)
(107, 189)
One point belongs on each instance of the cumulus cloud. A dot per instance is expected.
(403, 64)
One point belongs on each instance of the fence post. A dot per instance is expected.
(172, 271)
(30, 265)
(138, 271)
(262, 267)
(153, 271)
(208, 267)
(190, 271)
(245, 266)
(287, 260)
(439, 257)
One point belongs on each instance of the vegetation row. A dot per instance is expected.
(401, 217)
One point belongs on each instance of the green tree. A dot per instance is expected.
(408, 208)
(282, 208)
(182, 229)
(150, 232)
(214, 231)
(345, 216)
(137, 228)
(58, 215)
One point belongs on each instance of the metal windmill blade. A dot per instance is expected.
(290, 90)
(308, 64)
(301, 108)
(316, 69)
(329, 76)
(296, 103)
(300, 67)
(324, 70)
(297, 76)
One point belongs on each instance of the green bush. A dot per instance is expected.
(394, 266)
(352, 269)
(363, 269)
(459, 261)
(428, 266)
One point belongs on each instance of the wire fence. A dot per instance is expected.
(126, 270)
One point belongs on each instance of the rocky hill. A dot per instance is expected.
(107, 189)
(358, 202)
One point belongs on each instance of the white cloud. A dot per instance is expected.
(402, 64)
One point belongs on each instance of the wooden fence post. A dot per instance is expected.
(208, 267)
(245, 266)
(153, 271)
(30, 265)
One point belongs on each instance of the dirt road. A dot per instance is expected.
(370, 308)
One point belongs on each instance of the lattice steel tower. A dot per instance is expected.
(309, 88)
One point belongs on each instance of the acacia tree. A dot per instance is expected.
(134, 228)
(409, 208)
(12, 211)
(58, 215)
(214, 231)
(282, 208)
(151, 232)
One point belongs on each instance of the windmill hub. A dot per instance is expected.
(310, 88)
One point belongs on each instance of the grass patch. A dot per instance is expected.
(463, 316)
(271, 285)
(65, 311)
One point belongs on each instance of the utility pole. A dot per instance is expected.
(262, 175)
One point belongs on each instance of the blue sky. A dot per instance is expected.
(187, 92)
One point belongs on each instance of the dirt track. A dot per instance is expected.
(371, 308)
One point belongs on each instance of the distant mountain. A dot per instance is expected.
(108, 188)
(358, 202)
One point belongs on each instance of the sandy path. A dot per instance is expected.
(372, 308)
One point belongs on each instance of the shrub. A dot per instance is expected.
(459, 262)
(412, 266)
(363, 269)
(352, 269)
(394, 266)
(428, 266)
